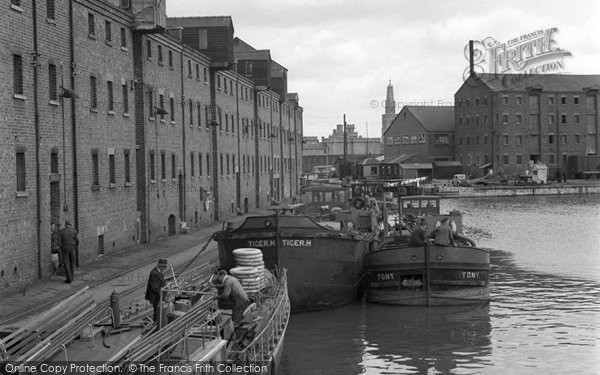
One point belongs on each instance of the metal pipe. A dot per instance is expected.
(74, 128)
(38, 179)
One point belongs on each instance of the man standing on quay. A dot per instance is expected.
(69, 243)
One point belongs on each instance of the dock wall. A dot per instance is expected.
(512, 191)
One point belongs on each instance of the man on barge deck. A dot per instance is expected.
(231, 289)
(156, 281)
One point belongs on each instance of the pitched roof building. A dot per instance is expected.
(424, 131)
(505, 120)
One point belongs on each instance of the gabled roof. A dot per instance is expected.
(544, 82)
(369, 161)
(241, 45)
(212, 21)
(400, 159)
(434, 119)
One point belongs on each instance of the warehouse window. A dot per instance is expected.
(160, 55)
(95, 171)
(125, 99)
(199, 164)
(111, 169)
(93, 93)
(192, 170)
(52, 82)
(173, 166)
(21, 172)
(207, 164)
(152, 168)
(108, 31)
(149, 49)
(172, 106)
(50, 10)
(18, 74)
(127, 166)
(91, 26)
(163, 166)
(111, 97)
(123, 38)
(170, 59)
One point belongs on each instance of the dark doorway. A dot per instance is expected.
(101, 244)
(245, 205)
(172, 225)
(55, 202)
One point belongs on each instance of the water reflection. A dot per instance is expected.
(405, 340)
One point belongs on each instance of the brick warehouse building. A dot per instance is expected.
(502, 121)
(140, 139)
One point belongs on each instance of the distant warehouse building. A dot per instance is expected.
(504, 120)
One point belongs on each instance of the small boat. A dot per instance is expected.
(325, 265)
(194, 335)
(427, 275)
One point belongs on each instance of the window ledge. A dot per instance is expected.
(112, 113)
(95, 188)
(164, 180)
(152, 181)
(51, 21)
(112, 186)
(126, 114)
(160, 63)
(108, 43)
(162, 120)
(94, 110)
(54, 102)
(92, 36)
(19, 96)
(16, 8)
(127, 184)
(124, 49)
(22, 194)
(151, 118)
(172, 122)
(173, 179)
(148, 58)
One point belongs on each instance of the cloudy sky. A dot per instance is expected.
(341, 53)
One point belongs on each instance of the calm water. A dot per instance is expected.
(544, 317)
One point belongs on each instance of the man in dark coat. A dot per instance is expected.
(418, 237)
(69, 242)
(442, 235)
(156, 281)
(232, 289)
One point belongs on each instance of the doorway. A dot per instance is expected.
(172, 225)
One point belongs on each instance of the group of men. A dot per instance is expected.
(230, 290)
(64, 243)
(442, 235)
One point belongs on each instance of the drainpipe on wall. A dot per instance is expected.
(73, 128)
(213, 138)
(184, 218)
(38, 181)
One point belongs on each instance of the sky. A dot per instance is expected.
(340, 55)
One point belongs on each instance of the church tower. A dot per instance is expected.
(390, 110)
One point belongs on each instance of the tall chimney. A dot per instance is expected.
(471, 62)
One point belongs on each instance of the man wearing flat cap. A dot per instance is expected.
(156, 281)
